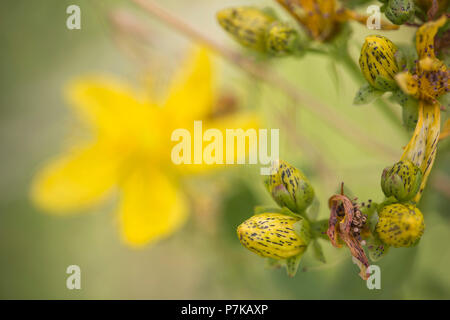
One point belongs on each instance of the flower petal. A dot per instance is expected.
(425, 37)
(104, 102)
(408, 83)
(191, 93)
(421, 149)
(78, 179)
(151, 207)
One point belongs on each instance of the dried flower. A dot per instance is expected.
(346, 224)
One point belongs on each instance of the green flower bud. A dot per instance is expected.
(282, 39)
(377, 62)
(275, 235)
(247, 25)
(402, 180)
(289, 187)
(400, 225)
(400, 11)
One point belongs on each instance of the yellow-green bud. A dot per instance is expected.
(399, 11)
(402, 180)
(247, 25)
(282, 39)
(400, 225)
(377, 62)
(289, 187)
(275, 235)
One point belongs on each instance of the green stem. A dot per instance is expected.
(355, 72)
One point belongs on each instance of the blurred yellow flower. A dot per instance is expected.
(322, 18)
(131, 148)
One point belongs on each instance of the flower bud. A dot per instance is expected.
(275, 235)
(247, 25)
(377, 62)
(289, 187)
(402, 180)
(282, 39)
(400, 225)
(399, 11)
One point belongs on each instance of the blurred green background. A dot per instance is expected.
(39, 55)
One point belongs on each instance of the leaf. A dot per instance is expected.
(406, 57)
(366, 94)
(274, 264)
(376, 248)
(319, 229)
(313, 210)
(303, 230)
(318, 251)
(385, 83)
(292, 265)
(266, 209)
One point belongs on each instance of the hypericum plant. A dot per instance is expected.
(416, 77)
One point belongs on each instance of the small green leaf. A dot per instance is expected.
(406, 57)
(303, 230)
(313, 210)
(319, 229)
(376, 248)
(385, 84)
(292, 265)
(266, 209)
(274, 264)
(366, 94)
(318, 252)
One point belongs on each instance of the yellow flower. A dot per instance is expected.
(322, 18)
(429, 81)
(130, 149)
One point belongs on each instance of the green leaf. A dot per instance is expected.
(313, 210)
(303, 230)
(266, 209)
(385, 84)
(318, 252)
(274, 264)
(319, 229)
(366, 94)
(292, 265)
(406, 57)
(376, 248)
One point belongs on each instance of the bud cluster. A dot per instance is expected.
(259, 30)
(281, 234)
